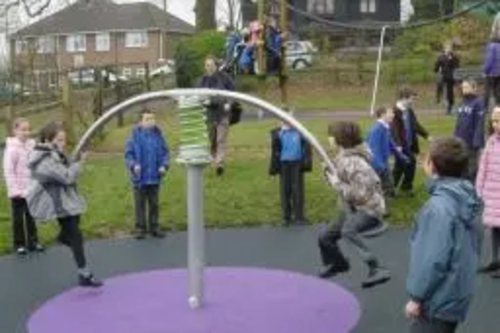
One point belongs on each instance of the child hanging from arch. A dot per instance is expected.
(52, 194)
(15, 167)
(361, 201)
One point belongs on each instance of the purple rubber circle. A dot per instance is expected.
(236, 300)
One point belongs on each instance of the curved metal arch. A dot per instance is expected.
(178, 93)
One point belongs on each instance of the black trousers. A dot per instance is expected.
(424, 325)
(146, 204)
(492, 89)
(72, 237)
(404, 173)
(387, 182)
(292, 191)
(449, 87)
(472, 168)
(349, 226)
(23, 226)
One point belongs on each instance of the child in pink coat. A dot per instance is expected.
(488, 187)
(16, 172)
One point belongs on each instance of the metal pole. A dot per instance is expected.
(196, 235)
(377, 74)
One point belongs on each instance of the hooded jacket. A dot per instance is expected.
(445, 247)
(52, 190)
(15, 166)
(488, 181)
(148, 149)
(491, 67)
(470, 122)
(358, 184)
(215, 108)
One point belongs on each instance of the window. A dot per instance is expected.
(76, 43)
(102, 42)
(140, 72)
(21, 46)
(46, 44)
(321, 6)
(136, 39)
(126, 72)
(368, 6)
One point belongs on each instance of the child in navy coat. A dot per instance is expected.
(291, 157)
(147, 159)
(470, 125)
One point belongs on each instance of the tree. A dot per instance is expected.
(430, 9)
(205, 14)
(232, 15)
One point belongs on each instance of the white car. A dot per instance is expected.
(167, 69)
(87, 76)
(300, 54)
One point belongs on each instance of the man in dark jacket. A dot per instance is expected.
(291, 157)
(445, 244)
(445, 67)
(218, 111)
(405, 130)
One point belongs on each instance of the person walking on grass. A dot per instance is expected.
(470, 125)
(446, 65)
(488, 187)
(147, 158)
(218, 112)
(382, 147)
(445, 243)
(17, 174)
(405, 131)
(361, 203)
(291, 157)
(53, 195)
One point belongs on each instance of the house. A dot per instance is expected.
(94, 33)
(348, 11)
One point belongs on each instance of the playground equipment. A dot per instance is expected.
(193, 152)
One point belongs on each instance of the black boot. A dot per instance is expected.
(88, 281)
(376, 275)
(490, 268)
(334, 269)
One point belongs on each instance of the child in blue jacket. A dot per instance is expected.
(445, 243)
(470, 125)
(147, 159)
(382, 147)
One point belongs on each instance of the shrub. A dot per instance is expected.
(190, 53)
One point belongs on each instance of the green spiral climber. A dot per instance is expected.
(194, 142)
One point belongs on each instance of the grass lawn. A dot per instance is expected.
(245, 196)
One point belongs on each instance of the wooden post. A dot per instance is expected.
(119, 99)
(148, 79)
(283, 76)
(68, 119)
(261, 49)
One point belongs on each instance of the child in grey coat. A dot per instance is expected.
(53, 195)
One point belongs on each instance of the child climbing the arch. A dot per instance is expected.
(147, 159)
(15, 167)
(488, 187)
(53, 195)
(445, 243)
(291, 157)
(361, 203)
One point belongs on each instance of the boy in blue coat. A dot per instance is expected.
(147, 159)
(382, 147)
(470, 125)
(445, 243)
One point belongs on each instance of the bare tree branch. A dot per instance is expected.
(28, 7)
